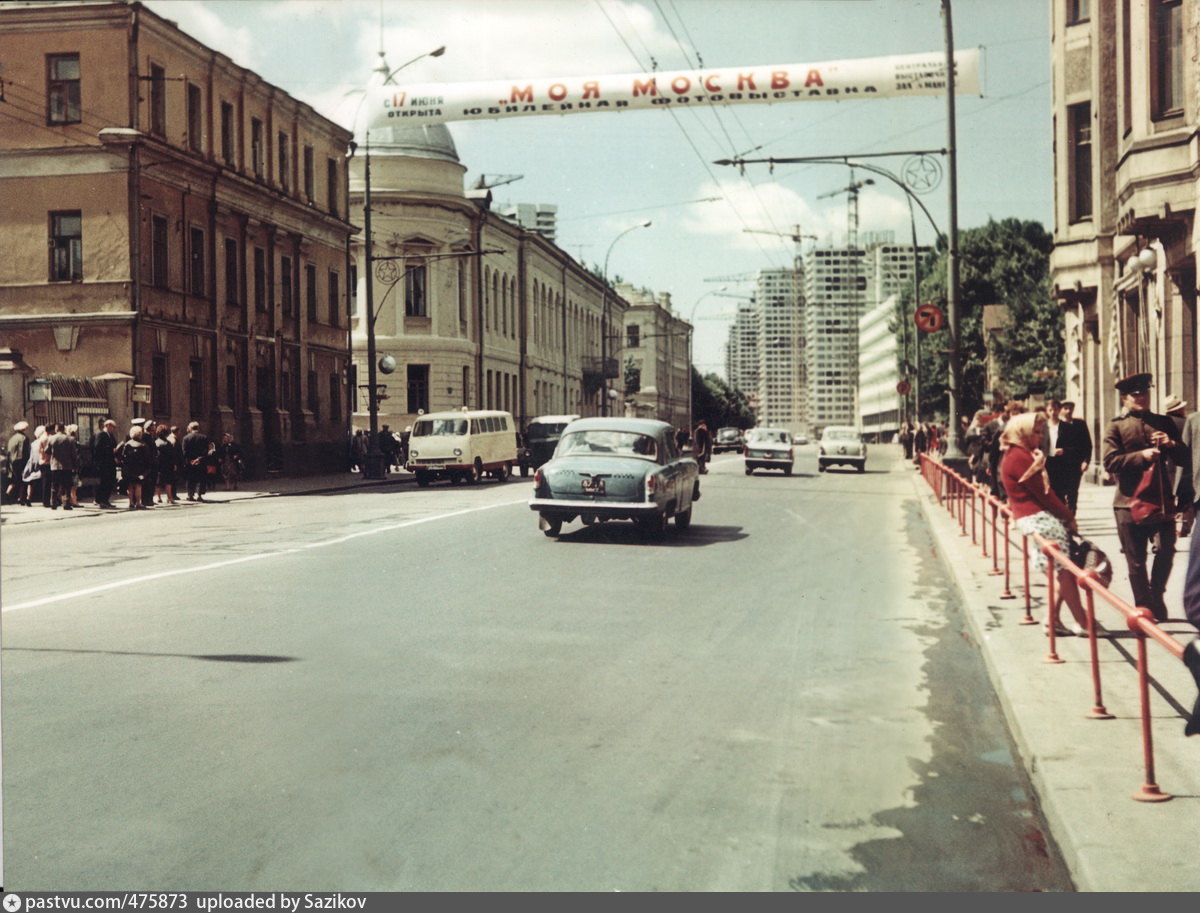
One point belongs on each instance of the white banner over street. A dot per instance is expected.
(835, 80)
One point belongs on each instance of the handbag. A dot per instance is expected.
(1151, 501)
(1087, 556)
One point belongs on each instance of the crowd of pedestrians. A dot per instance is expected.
(145, 465)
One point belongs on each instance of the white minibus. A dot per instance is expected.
(462, 446)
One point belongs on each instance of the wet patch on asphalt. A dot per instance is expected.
(973, 824)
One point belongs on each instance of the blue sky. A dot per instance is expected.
(607, 172)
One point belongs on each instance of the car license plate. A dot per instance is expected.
(434, 466)
(592, 486)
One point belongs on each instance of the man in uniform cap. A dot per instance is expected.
(1138, 440)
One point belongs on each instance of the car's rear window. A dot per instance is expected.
(620, 443)
(540, 431)
(764, 435)
(841, 434)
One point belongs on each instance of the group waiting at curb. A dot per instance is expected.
(145, 465)
(1035, 460)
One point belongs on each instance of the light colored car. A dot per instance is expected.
(769, 448)
(728, 438)
(841, 445)
(799, 438)
(616, 469)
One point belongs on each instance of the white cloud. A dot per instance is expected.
(773, 211)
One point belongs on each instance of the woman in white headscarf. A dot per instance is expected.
(1037, 509)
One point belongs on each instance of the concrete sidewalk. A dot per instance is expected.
(1085, 770)
(276, 486)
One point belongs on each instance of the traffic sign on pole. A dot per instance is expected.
(930, 318)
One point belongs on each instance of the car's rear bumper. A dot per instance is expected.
(612, 510)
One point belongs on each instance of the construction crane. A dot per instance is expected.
(739, 277)
(851, 206)
(797, 237)
(488, 181)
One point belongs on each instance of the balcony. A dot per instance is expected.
(597, 369)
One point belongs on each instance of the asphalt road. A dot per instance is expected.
(416, 690)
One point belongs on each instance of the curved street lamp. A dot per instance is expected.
(606, 331)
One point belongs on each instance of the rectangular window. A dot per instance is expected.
(66, 247)
(415, 303)
(1079, 125)
(633, 336)
(231, 387)
(462, 290)
(352, 290)
(284, 164)
(158, 100)
(310, 291)
(231, 272)
(334, 298)
(228, 139)
(314, 396)
(160, 275)
(196, 273)
(160, 399)
(257, 151)
(260, 279)
(418, 388)
(62, 91)
(1166, 57)
(331, 182)
(309, 174)
(466, 386)
(1078, 11)
(196, 387)
(335, 398)
(285, 286)
(195, 118)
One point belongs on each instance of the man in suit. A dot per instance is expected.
(1133, 443)
(1074, 444)
(104, 458)
(196, 448)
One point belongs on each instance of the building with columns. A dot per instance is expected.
(657, 351)
(1126, 159)
(473, 309)
(175, 230)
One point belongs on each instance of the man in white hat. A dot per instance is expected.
(18, 456)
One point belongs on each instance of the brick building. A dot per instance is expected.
(173, 219)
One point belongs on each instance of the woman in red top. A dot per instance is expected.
(1037, 509)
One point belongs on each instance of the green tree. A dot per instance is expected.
(1004, 262)
(718, 403)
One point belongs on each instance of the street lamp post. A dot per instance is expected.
(953, 322)
(607, 330)
(374, 467)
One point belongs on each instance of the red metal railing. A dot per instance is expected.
(961, 498)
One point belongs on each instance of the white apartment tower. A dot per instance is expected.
(741, 352)
(538, 217)
(779, 297)
(834, 286)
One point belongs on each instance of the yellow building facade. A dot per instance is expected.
(173, 221)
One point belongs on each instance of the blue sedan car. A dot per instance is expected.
(616, 469)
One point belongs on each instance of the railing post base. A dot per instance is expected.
(1151, 793)
(1099, 712)
(1053, 658)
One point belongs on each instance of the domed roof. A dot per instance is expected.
(426, 141)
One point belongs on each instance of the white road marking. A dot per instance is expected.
(75, 594)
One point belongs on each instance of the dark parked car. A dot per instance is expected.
(541, 437)
(616, 469)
